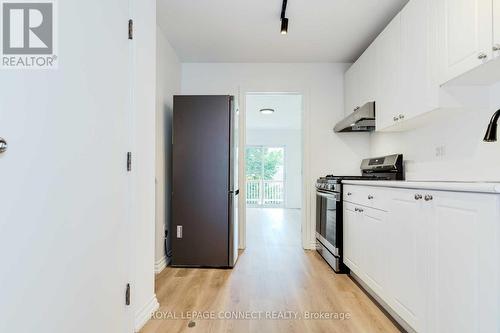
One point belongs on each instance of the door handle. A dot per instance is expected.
(3, 145)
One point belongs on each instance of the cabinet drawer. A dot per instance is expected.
(368, 196)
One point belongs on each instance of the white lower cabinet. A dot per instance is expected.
(432, 256)
(352, 232)
(366, 226)
(463, 258)
(406, 236)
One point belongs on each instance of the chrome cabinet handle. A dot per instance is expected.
(401, 116)
(418, 196)
(428, 197)
(496, 47)
(482, 56)
(356, 108)
(349, 193)
(3, 145)
(370, 197)
(359, 210)
(395, 118)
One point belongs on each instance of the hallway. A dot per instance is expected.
(274, 276)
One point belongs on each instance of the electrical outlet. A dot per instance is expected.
(440, 151)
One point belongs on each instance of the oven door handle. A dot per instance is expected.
(331, 196)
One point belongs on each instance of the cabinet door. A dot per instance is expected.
(374, 224)
(351, 89)
(465, 262)
(352, 238)
(367, 76)
(420, 91)
(496, 27)
(468, 34)
(407, 223)
(388, 45)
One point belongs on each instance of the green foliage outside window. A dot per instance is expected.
(263, 162)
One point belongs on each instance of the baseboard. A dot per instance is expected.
(160, 265)
(144, 315)
(399, 322)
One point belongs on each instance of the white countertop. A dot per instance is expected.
(479, 187)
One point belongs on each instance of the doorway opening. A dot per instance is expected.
(273, 169)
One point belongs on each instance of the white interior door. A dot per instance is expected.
(63, 179)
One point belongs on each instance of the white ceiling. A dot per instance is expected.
(249, 31)
(287, 115)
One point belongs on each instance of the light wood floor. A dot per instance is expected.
(273, 274)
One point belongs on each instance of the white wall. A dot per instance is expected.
(322, 86)
(143, 166)
(467, 157)
(323, 82)
(292, 141)
(168, 83)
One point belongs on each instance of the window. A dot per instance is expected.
(265, 176)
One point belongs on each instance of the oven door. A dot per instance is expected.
(326, 220)
(320, 215)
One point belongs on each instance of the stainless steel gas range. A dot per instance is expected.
(329, 206)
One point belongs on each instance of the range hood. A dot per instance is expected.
(361, 120)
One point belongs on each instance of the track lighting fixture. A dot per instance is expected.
(284, 20)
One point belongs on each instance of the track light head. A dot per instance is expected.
(284, 26)
(284, 20)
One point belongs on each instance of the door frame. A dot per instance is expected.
(283, 180)
(307, 227)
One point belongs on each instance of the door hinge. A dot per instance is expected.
(129, 161)
(130, 29)
(127, 295)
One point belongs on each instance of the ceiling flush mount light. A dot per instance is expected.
(491, 132)
(266, 111)
(284, 20)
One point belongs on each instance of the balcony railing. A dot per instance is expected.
(265, 193)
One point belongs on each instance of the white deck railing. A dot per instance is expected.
(265, 192)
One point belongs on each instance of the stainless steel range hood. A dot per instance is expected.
(361, 120)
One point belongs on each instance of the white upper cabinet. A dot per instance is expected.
(430, 43)
(351, 84)
(496, 28)
(368, 76)
(419, 59)
(360, 82)
(467, 29)
(388, 62)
